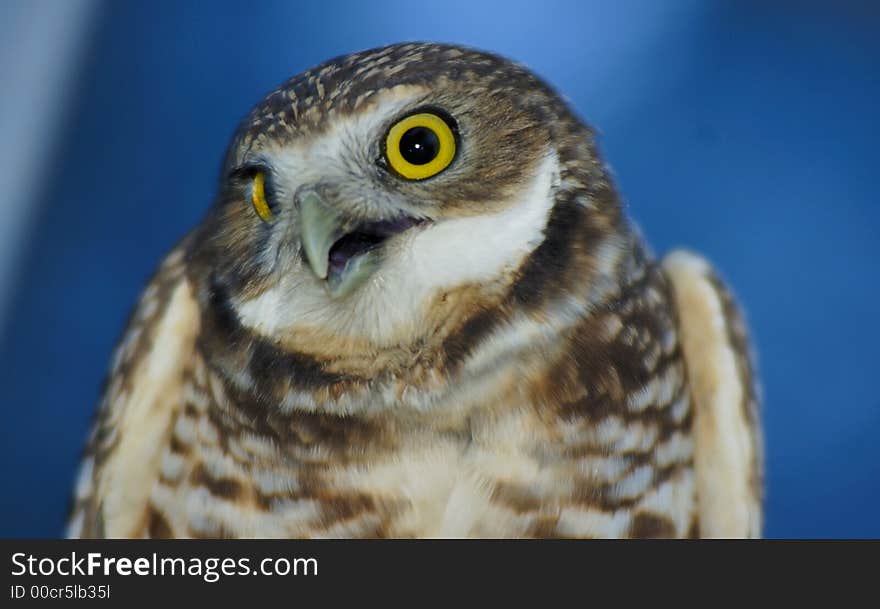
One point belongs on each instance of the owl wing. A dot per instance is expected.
(142, 397)
(727, 435)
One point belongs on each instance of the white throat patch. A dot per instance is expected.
(479, 248)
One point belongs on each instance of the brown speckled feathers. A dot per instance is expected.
(516, 365)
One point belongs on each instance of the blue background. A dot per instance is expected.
(746, 130)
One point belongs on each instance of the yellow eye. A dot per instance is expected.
(420, 146)
(259, 198)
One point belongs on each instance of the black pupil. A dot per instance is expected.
(419, 145)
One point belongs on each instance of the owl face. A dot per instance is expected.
(362, 193)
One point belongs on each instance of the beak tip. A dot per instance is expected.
(318, 230)
(317, 263)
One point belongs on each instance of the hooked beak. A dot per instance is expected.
(342, 252)
(319, 229)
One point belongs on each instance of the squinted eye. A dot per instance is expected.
(258, 198)
(420, 146)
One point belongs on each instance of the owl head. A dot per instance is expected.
(387, 195)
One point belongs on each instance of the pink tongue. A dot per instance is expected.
(337, 261)
(350, 246)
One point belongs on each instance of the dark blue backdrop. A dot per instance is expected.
(745, 130)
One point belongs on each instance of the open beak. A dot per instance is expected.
(342, 252)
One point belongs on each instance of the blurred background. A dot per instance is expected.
(746, 130)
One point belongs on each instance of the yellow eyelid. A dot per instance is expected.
(444, 157)
(259, 198)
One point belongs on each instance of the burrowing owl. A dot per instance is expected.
(417, 309)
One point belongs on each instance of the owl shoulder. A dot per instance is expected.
(727, 433)
(141, 398)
